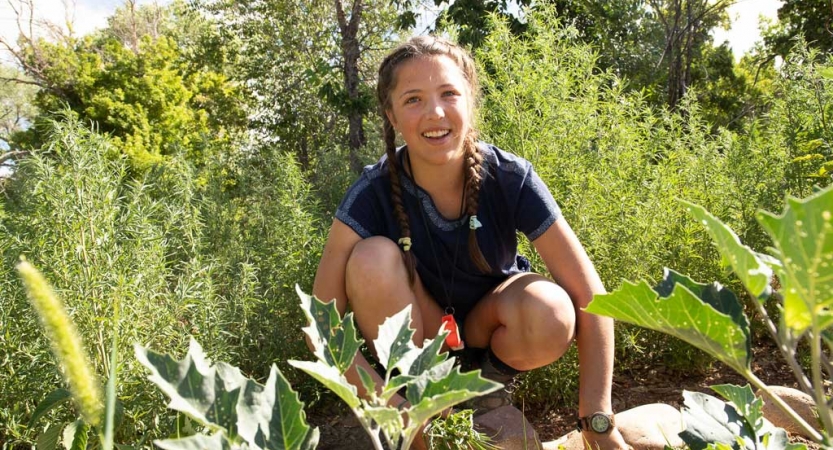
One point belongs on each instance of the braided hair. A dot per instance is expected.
(428, 46)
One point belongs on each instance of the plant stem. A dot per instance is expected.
(805, 427)
(818, 382)
(786, 352)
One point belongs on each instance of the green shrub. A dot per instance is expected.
(100, 237)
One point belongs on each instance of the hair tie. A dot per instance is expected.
(474, 223)
(405, 242)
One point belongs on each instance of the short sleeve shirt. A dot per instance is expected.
(512, 198)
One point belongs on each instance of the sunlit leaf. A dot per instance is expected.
(287, 427)
(332, 379)
(723, 334)
(803, 236)
(753, 272)
(333, 338)
(394, 347)
(431, 395)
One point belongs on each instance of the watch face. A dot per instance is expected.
(599, 423)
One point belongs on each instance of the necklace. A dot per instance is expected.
(453, 339)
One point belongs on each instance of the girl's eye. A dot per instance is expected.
(449, 94)
(411, 100)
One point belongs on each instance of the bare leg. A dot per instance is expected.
(528, 321)
(377, 288)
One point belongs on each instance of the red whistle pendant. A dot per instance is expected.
(453, 339)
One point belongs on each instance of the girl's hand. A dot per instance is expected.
(606, 441)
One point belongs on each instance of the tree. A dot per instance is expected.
(310, 66)
(686, 24)
(810, 18)
(136, 86)
(17, 109)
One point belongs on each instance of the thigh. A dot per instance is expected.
(377, 288)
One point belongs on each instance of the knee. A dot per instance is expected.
(546, 317)
(374, 263)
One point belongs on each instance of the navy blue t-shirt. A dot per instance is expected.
(512, 198)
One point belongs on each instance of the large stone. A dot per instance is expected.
(646, 427)
(800, 402)
(508, 429)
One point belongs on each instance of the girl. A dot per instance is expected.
(433, 225)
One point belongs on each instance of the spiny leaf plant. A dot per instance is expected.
(431, 382)
(711, 318)
(241, 413)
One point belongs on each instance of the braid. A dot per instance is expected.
(398, 204)
(416, 47)
(474, 164)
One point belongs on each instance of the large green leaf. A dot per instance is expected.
(711, 323)
(332, 379)
(429, 355)
(803, 237)
(76, 435)
(443, 387)
(710, 420)
(334, 340)
(221, 398)
(195, 387)
(746, 403)
(287, 427)
(393, 344)
(753, 272)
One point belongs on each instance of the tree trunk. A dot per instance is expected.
(350, 52)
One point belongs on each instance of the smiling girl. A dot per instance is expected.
(433, 225)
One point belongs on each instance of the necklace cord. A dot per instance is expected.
(450, 289)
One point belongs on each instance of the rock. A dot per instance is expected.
(646, 427)
(800, 402)
(508, 428)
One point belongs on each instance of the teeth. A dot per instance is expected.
(435, 134)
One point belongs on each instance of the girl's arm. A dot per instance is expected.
(572, 269)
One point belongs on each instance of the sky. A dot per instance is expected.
(87, 15)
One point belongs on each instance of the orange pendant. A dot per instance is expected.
(453, 339)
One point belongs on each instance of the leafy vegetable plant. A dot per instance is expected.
(710, 317)
(238, 411)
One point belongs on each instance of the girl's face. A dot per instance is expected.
(430, 105)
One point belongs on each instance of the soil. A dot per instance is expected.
(639, 386)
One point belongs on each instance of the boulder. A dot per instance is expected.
(800, 402)
(646, 427)
(508, 429)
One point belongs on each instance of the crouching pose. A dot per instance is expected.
(433, 225)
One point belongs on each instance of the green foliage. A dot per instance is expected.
(103, 239)
(456, 432)
(431, 381)
(738, 424)
(713, 320)
(235, 409)
(138, 88)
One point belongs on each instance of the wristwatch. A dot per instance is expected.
(598, 422)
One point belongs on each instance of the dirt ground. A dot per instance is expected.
(341, 431)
